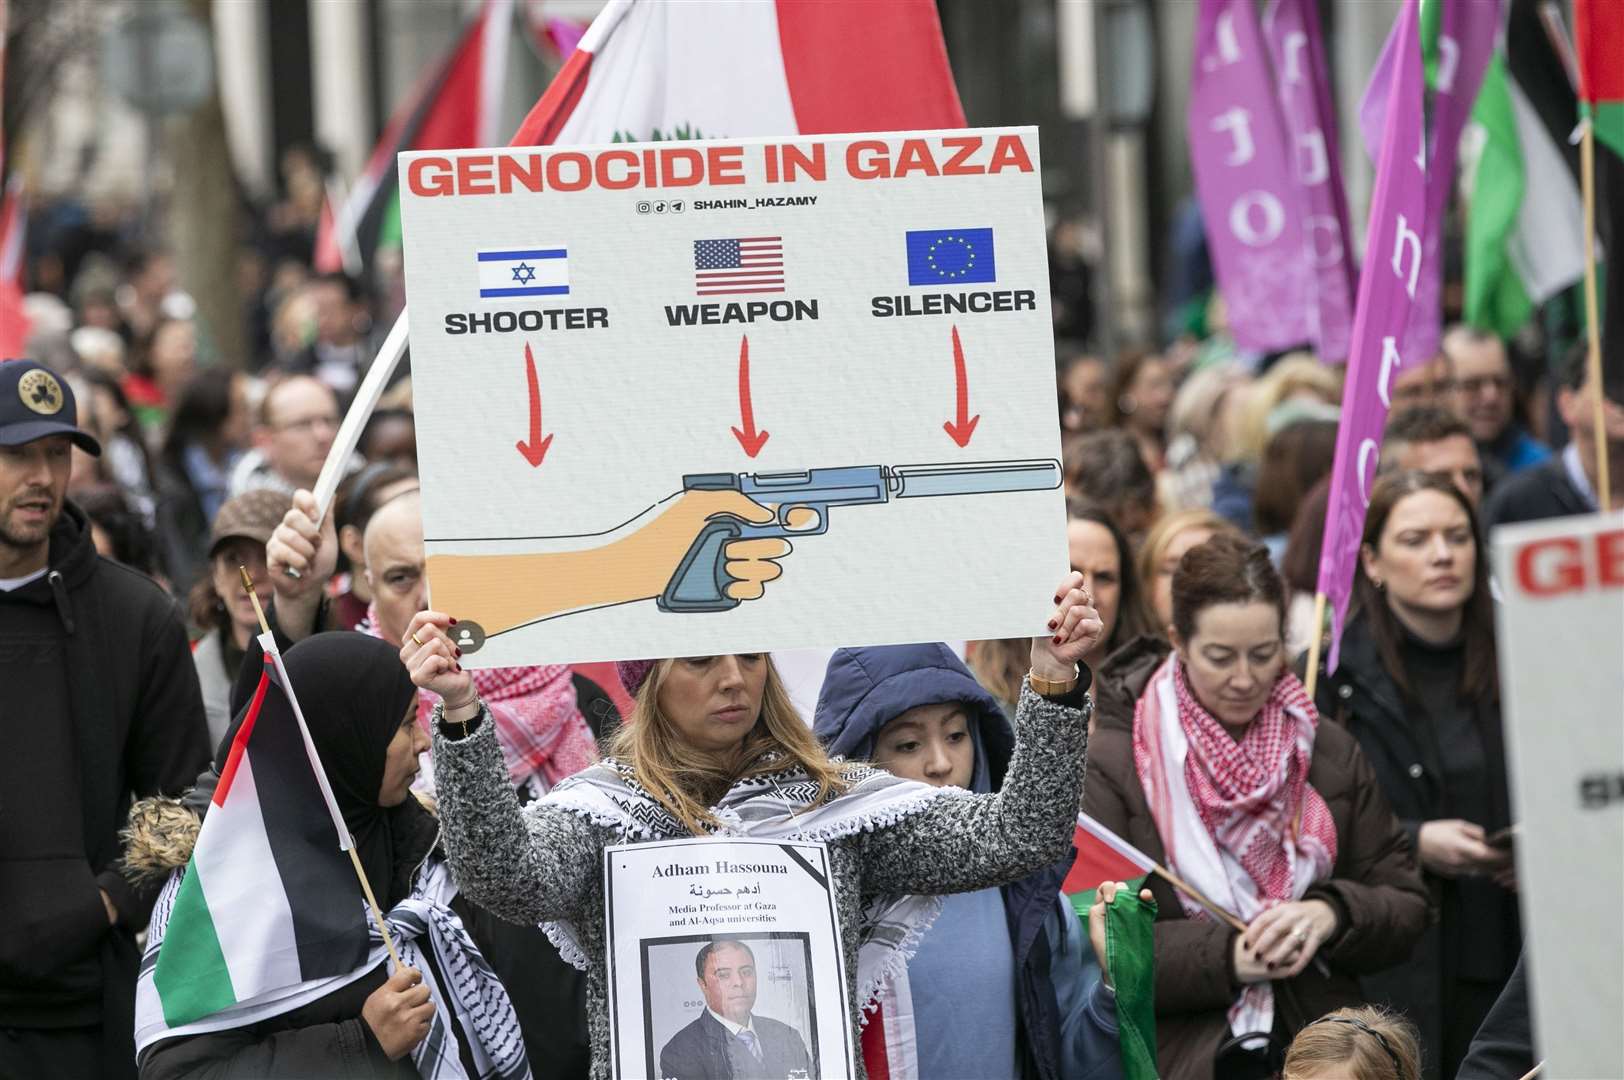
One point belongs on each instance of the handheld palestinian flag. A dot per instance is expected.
(1599, 42)
(455, 106)
(1102, 856)
(269, 899)
(1524, 221)
(1130, 943)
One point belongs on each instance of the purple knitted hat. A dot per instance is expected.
(634, 673)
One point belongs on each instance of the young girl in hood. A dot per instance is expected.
(1002, 985)
(714, 748)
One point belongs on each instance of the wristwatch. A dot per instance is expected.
(1050, 689)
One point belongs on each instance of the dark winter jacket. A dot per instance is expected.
(100, 700)
(327, 1039)
(1362, 697)
(1504, 1047)
(864, 690)
(1534, 494)
(1375, 885)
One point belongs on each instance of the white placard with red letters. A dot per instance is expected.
(1561, 629)
(727, 396)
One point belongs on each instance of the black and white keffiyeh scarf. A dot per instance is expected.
(774, 806)
(466, 989)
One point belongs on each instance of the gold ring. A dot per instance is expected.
(416, 638)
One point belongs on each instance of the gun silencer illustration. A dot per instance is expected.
(701, 580)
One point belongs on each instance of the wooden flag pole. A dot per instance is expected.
(1195, 894)
(1587, 175)
(1311, 676)
(355, 860)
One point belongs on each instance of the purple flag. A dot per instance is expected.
(1250, 201)
(1387, 292)
(1458, 39)
(1292, 30)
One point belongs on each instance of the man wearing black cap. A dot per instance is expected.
(98, 700)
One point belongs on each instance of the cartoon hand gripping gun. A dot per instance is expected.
(703, 582)
(711, 547)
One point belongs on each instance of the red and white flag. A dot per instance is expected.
(14, 323)
(648, 70)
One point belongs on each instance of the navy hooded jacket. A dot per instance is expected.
(865, 689)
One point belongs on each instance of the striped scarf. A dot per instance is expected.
(1237, 818)
(423, 922)
(778, 806)
(537, 719)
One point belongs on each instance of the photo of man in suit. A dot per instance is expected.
(728, 1041)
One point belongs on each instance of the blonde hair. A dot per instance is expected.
(687, 782)
(1365, 1043)
(1154, 549)
(1000, 665)
(1293, 375)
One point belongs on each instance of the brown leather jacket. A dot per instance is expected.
(1375, 886)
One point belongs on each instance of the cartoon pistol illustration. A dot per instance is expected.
(803, 500)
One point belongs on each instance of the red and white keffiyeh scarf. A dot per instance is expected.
(538, 722)
(1238, 820)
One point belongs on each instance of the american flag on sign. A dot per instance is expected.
(749, 264)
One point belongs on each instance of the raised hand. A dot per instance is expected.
(310, 551)
(1074, 629)
(433, 662)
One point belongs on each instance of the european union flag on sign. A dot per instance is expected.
(950, 256)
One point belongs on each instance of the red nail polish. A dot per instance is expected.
(453, 622)
(1053, 623)
(1057, 639)
(456, 668)
(1058, 598)
(456, 650)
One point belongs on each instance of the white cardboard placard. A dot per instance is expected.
(706, 936)
(796, 319)
(1561, 632)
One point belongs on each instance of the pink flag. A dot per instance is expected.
(1387, 295)
(1250, 198)
(1297, 48)
(1457, 37)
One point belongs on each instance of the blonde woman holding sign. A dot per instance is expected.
(715, 749)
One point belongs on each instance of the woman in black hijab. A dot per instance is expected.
(360, 709)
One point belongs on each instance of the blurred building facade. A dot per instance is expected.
(296, 73)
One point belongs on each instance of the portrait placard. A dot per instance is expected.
(725, 962)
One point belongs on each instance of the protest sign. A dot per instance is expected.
(724, 950)
(1561, 633)
(652, 378)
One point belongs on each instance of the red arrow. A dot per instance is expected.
(536, 447)
(751, 439)
(965, 426)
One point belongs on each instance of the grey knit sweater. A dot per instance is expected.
(544, 863)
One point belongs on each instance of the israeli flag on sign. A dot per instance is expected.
(543, 270)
